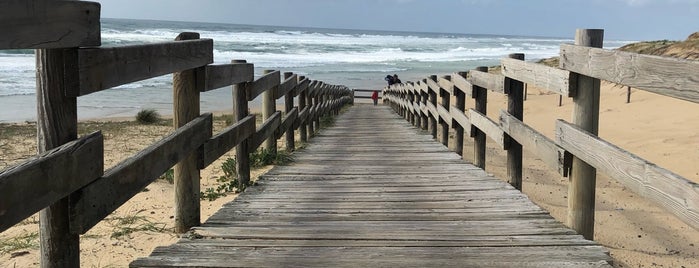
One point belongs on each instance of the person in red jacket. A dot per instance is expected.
(375, 97)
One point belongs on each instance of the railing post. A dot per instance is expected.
(317, 102)
(57, 124)
(268, 108)
(288, 106)
(425, 116)
(311, 107)
(416, 100)
(240, 111)
(186, 177)
(302, 104)
(433, 100)
(581, 192)
(481, 96)
(515, 106)
(446, 98)
(460, 106)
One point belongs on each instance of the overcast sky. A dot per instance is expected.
(621, 19)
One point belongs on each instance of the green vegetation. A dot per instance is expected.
(148, 116)
(25, 241)
(168, 176)
(124, 226)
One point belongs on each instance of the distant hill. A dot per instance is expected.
(687, 49)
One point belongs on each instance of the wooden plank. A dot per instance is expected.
(677, 78)
(285, 87)
(39, 182)
(226, 140)
(218, 76)
(492, 82)
(103, 68)
(432, 109)
(302, 86)
(432, 85)
(101, 197)
(265, 131)
(262, 84)
(446, 84)
(535, 142)
(461, 119)
(549, 78)
(26, 24)
(488, 126)
(670, 191)
(301, 119)
(444, 114)
(287, 122)
(462, 84)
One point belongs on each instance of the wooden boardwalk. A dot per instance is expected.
(373, 191)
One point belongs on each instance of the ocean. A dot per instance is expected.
(355, 58)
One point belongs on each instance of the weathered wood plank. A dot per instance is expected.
(667, 76)
(444, 114)
(534, 142)
(462, 84)
(103, 68)
(492, 82)
(488, 126)
(40, 24)
(446, 84)
(461, 119)
(432, 109)
(285, 87)
(287, 122)
(265, 131)
(218, 76)
(262, 84)
(432, 85)
(226, 140)
(670, 191)
(552, 79)
(302, 86)
(39, 182)
(101, 197)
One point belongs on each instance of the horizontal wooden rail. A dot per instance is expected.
(302, 86)
(287, 122)
(670, 191)
(462, 84)
(101, 197)
(552, 79)
(262, 84)
(444, 114)
(26, 24)
(285, 87)
(446, 85)
(301, 119)
(218, 76)
(39, 182)
(492, 82)
(265, 131)
(535, 142)
(223, 142)
(662, 75)
(488, 126)
(103, 68)
(461, 119)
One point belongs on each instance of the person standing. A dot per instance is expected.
(375, 97)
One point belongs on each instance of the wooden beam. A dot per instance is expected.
(460, 118)
(432, 85)
(302, 86)
(492, 82)
(534, 142)
(670, 191)
(226, 140)
(103, 68)
(446, 84)
(265, 131)
(677, 78)
(433, 110)
(262, 84)
(487, 126)
(301, 119)
(100, 198)
(285, 87)
(218, 76)
(549, 78)
(462, 84)
(287, 122)
(27, 24)
(41, 181)
(444, 114)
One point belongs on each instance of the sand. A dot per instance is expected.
(636, 232)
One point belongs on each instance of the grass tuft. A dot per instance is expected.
(25, 241)
(148, 116)
(125, 226)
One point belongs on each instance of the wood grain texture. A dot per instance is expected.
(226, 140)
(287, 122)
(27, 24)
(549, 78)
(462, 84)
(534, 142)
(39, 182)
(487, 126)
(286, 86)
(265, 131)
(670, 191)
(347, 202)
(262, 84)
(223, 75)
(302, 86)
(103, 68)
(460, 118)
(677, 78)
(446, 84)
(444, 115)
(104, 195)
(492, 82)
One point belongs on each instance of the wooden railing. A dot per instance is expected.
(577, 151)
(66, 181)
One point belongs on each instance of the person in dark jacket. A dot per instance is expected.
(396, 80)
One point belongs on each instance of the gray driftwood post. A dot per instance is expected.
(515, 106)
(446, 98)
(288, 106)
(460, 105)
(581, 192)
(302, 104)
(240, 111)
(481, 96)
(311, 107)
(57, 124)
(417, 100)
(433, 100)
(186, 177)
(425, 116)
(317, 102)
(268, 108)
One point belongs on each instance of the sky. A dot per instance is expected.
(632, 20)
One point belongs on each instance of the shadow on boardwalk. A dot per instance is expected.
(374, 191)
